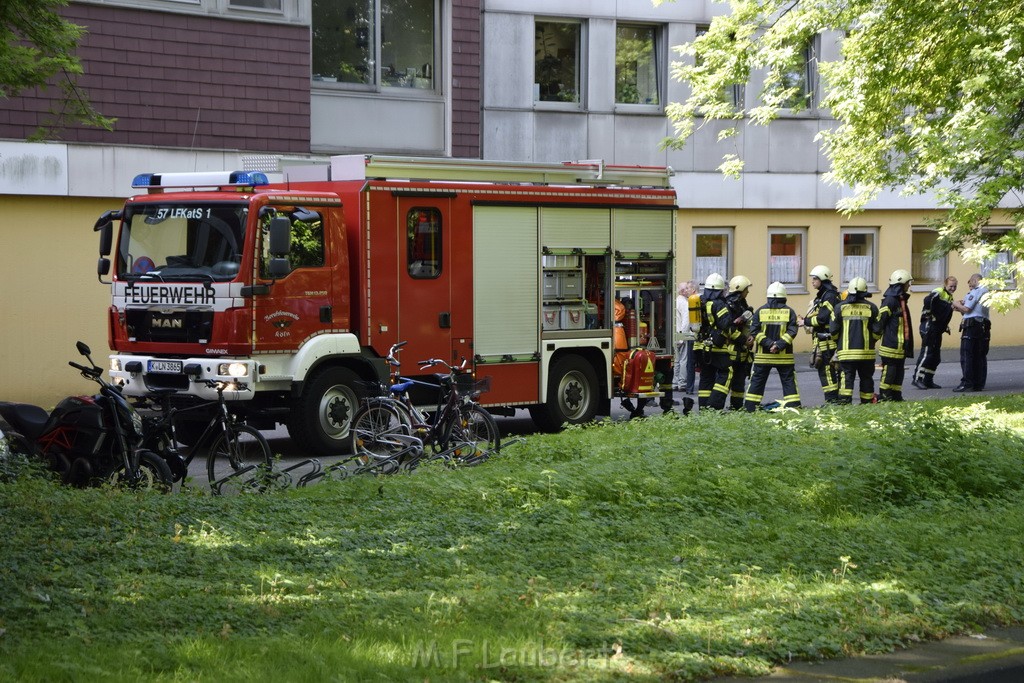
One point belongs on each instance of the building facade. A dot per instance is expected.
(224, 84)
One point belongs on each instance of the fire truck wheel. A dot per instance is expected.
(572, 395)
(322, 415)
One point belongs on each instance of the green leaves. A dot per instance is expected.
(928, 95)
(37, 49)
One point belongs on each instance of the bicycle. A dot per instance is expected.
(238, 456)
(390, 432)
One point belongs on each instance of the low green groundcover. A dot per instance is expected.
(665, 548)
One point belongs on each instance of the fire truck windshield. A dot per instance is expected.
(182, 241)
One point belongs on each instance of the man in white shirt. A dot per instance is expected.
(683, 372)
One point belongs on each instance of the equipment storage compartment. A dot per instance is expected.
(573, 317)
(550, 283)
(551, 317)
(570, 284)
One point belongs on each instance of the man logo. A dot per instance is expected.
(168, 323)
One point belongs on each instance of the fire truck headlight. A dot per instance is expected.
(233, 369)
(115, 365)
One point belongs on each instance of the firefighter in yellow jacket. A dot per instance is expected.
(853, 326)
(773, 327)
(741, 312)
(897, 336)
(717, 339)
(817, 321)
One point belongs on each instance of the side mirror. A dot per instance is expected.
(105, 227)
(83, 349)
(102, 267)
(279, 268)
(280, 236)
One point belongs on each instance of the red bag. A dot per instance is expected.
(638, 374)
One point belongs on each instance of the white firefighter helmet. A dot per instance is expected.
(822, 272)
(776, 290)
(714, 281)
(739, 283)
(900, 277)
(858, 284)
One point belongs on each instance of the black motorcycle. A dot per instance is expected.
(89, 440)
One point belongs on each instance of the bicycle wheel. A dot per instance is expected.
(239, 461)
(473, 436)
(378, 432)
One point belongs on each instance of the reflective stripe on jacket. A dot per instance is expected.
(820, 315)
(773, 323)
(853, 322)
(893, 326)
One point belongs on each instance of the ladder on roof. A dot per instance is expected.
(587, 172)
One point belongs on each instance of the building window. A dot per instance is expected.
(423, 242)
(997, 265)
(927, 273)
(274, 5)
(637, 69)
(556, 65)
(732, 94)
(712, 253)
(859, 255)
(377, 43)
(800, 79)
(786, 256)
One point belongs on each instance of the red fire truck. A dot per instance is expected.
(296, 289)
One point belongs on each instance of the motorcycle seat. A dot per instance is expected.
(26, 419)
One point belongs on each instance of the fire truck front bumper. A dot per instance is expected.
(142, 375)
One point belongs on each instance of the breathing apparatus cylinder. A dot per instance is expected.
(694, 300)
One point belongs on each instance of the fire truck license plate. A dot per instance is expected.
(165, 366)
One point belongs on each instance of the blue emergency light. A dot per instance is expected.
(201, 179)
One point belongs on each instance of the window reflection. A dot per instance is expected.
(374, 42)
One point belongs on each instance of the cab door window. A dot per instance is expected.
(307, 247)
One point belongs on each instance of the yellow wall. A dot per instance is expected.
(750, 249)
(49, 296)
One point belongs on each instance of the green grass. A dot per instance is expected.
(661, 549)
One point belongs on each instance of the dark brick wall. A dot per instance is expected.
(175, 80)
(466, 78)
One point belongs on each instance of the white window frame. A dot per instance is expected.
(734, 93)
(699, 269)
(660, 62)
(240, 5)
(923, 281)
(793, 274)
(377, 85)
(851, 269)
(288, 12)
(992, 233)
(581, 62)
(809, 78)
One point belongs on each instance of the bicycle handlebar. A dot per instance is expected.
(424, 364)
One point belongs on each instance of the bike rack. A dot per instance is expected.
(312, 464)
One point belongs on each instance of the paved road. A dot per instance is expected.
(1005, 376)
